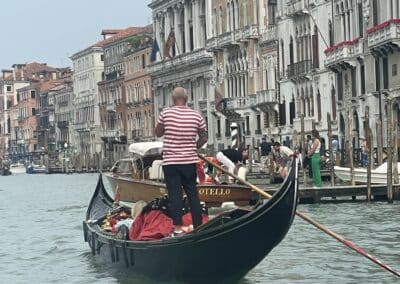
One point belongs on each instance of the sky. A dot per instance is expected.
(50, 31)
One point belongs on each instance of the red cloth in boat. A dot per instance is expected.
(155, 225)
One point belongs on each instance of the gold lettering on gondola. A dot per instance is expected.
(215, 191)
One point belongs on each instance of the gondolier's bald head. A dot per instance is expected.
(179, 93)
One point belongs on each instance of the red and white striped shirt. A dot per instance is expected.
(181, 126)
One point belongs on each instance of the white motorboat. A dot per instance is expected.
(378, 175)
(17, 168)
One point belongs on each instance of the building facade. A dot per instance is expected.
(139, 96)
(186, 62)
(88, 72)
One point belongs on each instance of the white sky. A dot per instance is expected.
(49, 31)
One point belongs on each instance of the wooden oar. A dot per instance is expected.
(312, 222)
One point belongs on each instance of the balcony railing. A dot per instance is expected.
(226, 39)
(62, 124)
(344, 52)
(265, 96)
(238, 103)
(384, 33)
(299, 68)
(111, 107)
(110, 133)
(270, 34)
(295, 7)
(251, 32)
(137, 133)
(190, 58)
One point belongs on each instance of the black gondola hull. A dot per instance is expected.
(220, 253)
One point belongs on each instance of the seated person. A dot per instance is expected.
(230, 158)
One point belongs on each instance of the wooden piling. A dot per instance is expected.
(332, 170)
(369, 143)
(349, 145)
(303, 149)
(379, 145)
(389, 153)
(395, 148)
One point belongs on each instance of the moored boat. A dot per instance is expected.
(140, 177)
(17, 168)
(221, 250)
(36, 169)
(378, 175)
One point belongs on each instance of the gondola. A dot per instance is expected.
(222, 250)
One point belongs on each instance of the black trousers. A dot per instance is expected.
(178, 178)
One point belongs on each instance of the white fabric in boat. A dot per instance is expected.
(242, 173)
(156, 171)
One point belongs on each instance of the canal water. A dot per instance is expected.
(41, 238)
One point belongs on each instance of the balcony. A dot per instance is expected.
(110, 133)
(265, 100)
(385, 37)
(137, 134)
(269, 35)
(212, 43)
(203, 104)
(111, 107)
(299, 70)
(295, 8)
(186, 60)
(226, 39)
(238, 35)
(238, 103)
(62, 124)
(344, 55)
(251, 32)
(308, 123)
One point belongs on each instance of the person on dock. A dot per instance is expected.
(231, 159)
(264, 150)
(315, 157)
(364, 155)
(180, 125)
(284, 156)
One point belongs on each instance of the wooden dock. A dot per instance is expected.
(328, 193)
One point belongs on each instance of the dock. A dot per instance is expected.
(328, 193)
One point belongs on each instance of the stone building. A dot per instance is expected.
(25, 143)
(139, 96)
(365, 57)
(307, 87)
(187, 62)
(243, 40)
(88, 67)
(112, 97)
(21, 75)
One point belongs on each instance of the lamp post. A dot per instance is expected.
(65, 157)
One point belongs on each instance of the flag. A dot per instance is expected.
(154, 50)
(169, 45)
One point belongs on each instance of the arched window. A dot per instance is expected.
(333, 102)
(330, 27)
(291, 54)
(315, 48)
(283, 55)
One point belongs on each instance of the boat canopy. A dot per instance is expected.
(146, 148)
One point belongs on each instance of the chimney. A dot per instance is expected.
(6, 73)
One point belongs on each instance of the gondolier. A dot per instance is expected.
(180, 125)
